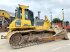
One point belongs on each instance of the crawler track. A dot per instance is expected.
(20, 39)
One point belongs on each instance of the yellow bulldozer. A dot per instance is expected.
(23, 33)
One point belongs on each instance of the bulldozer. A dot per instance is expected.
(23, 33)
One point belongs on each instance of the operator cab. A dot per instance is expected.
(28, 14)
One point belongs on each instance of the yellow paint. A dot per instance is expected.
(23, 10)
(23, 6)
(5, 14)
(46, 25)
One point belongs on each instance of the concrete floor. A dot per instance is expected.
(56, 46)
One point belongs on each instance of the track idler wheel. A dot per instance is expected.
(15, 40)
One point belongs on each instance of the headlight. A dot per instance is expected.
(18, 23)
